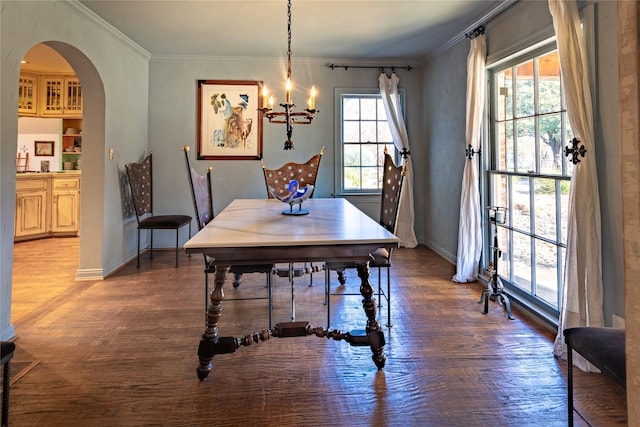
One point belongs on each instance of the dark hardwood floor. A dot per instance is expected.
(122, 352)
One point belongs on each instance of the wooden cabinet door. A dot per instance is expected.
(28, 95)
(65, 205)
(64, 212)
(72, 97)
(52, 94)
(31, 213)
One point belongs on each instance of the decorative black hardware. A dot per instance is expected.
(469, 152)
(475, 33)
(574, 151)
(405, 153)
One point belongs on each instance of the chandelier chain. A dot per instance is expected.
(289, 39)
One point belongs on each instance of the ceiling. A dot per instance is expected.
(363, 30)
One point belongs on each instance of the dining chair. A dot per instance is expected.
(202, 195)
(141, 184)
(392, 178)
(277, 181)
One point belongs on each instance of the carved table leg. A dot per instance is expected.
(373, 330)
(209, 339)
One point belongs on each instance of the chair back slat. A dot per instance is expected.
(277, 180)
(392, 178)
(201, 193)
(141, 183)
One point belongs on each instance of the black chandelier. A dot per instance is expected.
(288, 116)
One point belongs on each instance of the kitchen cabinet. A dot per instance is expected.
(32, 199)
(65, 210)
(47, 205)
(28, 95)
(61, 96)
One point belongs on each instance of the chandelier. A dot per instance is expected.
(288, 116)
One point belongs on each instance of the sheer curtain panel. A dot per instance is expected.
(406, 216)
(470, 227)
(582, 290)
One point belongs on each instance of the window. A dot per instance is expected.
(529, 175)
(363, 135)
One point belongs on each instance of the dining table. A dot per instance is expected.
(264, 231)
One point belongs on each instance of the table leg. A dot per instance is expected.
(373, 330)
(209, 340)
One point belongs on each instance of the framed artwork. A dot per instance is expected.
(229, 122)
(43, 148)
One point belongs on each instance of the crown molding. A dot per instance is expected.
(96, 21)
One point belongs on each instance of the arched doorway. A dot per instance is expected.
(89, 262)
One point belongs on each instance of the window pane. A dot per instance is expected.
(382, 113)
(545, 208)
(369, 155)
(368, 108)
(351, 154)
(547, 272)
(384, 132)
(505, 146)
(551, 144)
(524, 89)
(522, 261)
(351, 131)
(370, 178)
(500, 194)
(350, 109)
(549, 83)
(504, 106)
(368, 131)
(352, 178)
(526, 145)
(521, 204)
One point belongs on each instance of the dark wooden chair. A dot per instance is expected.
(277, 181)
(6, 354)
(141, 183)
(202, 194)
(392, 179)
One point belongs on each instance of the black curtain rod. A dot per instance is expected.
(381, 69)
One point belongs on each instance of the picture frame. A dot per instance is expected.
(43, 148)
(229, 121)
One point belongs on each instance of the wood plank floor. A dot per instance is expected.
(122, 352)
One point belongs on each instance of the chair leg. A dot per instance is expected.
(151, 249)
(379, 292)
(138, 265)
(293, 293)
(206, 294)
(327, 295)
(388, 297)
(270, 291)
(177, 240)
(570, 385)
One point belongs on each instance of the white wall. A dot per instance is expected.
(114, 75)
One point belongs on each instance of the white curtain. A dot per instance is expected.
(469, 229)
(582, 297)
(406, 215)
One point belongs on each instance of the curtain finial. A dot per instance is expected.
(475, 33)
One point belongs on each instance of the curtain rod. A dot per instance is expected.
(380, 68)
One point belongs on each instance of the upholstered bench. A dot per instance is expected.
(603, 347)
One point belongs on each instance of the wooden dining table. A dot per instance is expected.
(257, 231)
